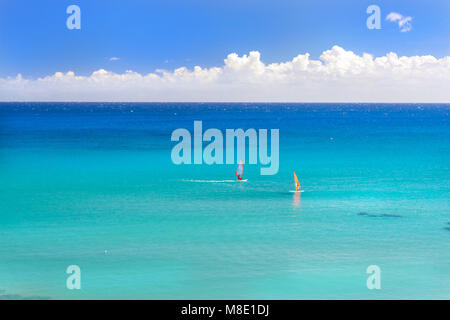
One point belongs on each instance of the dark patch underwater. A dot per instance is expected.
(386, 215)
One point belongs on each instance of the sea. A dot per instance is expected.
(93, 185)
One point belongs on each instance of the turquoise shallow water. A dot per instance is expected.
(79, 179)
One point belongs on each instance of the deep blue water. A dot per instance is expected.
(93, 185)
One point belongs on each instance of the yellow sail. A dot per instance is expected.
(297, 184)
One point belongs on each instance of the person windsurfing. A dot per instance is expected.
(297, 184)
(240, 170)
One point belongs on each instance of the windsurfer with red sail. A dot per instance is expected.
(240, 170)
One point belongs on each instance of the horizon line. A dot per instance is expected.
(231, 102)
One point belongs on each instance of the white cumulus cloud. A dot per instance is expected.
(338, 75)
(404, 23)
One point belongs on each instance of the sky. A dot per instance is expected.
(216, 50)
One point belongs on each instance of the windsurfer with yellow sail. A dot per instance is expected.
(297, 184)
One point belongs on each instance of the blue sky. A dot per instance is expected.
(148, 35)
